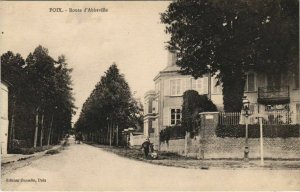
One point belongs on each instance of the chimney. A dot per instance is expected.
(171, 58)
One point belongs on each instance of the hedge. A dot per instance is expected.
(172, 132)
(272, 131)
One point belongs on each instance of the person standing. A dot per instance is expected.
(146, 146)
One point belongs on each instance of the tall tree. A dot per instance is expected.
(110, 107)
(228, 38)
(40, 70)
(12, 72)
(43, 104)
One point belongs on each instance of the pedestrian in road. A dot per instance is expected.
(146, 146)
(78, 137)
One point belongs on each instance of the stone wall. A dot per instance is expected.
(218, 148)
(208, 146)
(137, 140)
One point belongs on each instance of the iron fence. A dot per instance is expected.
(270, 118)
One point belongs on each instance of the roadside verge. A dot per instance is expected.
(175, 160)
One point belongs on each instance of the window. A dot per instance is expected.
(250, 82)
(175, 116)
(197, 84)
(200, 85)
(175, 86)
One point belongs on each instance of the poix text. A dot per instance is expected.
(77, 10)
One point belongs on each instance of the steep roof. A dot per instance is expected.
(171, 68)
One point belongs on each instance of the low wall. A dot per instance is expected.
(208, 146)
(217, 148)
(137, 140)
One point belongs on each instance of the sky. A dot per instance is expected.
(129, 34)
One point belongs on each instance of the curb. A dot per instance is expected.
(24, 157)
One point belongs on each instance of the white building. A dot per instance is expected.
(4, 118)
(163, 106)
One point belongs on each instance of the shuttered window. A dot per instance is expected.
(205, 85)
(200, 85)
(250, 82)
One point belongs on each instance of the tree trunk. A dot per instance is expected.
(50, 130)
(107, 136)
(117, 141)
(113, 133)
(110, 129)
(233, 91)
(36, 128)
(42, 130)
(12, 126)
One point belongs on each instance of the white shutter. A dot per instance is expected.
(182, 86)
(205, 85)
(188, 84)
(166, 117)
(167, 90)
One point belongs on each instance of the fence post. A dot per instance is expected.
(201, 137)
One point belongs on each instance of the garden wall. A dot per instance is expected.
(208, 146)
(218, 148)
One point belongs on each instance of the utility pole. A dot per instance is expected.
(261, 142)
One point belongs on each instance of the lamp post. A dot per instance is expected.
(246, 113)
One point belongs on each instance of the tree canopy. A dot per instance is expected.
(110, 108)
(40, 96)
(229, 38)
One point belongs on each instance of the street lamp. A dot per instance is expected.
(246, 113)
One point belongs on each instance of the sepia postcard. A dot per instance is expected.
(187, 95)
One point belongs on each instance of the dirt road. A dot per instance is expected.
(83, 167)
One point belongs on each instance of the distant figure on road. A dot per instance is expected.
(146, 147)
(78, 137)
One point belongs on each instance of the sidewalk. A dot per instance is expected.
(10, 158)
